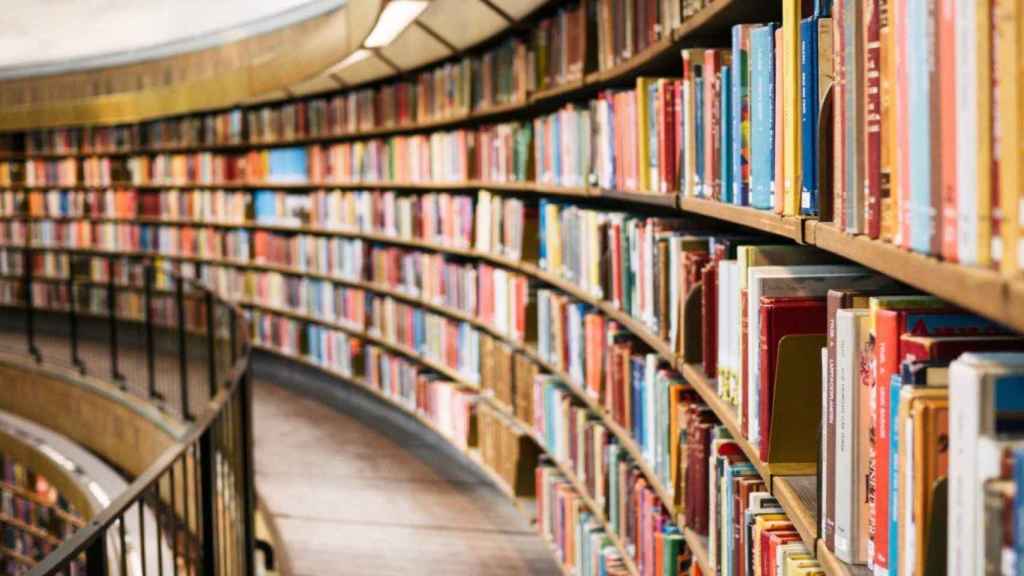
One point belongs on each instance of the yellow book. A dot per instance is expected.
(791, 106)
(792, 561)
(643, 114)
(691, 57)
(984, 127)
(1011, 136)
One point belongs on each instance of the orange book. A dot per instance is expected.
(780, 165)
(946, 47)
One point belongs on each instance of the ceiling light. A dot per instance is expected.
(397, 14)
(357, 56)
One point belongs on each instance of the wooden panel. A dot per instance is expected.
(315, 86)
(372, 68)
(415, 47)
(462, 22)
(119, 428)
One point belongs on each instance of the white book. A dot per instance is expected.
(814, 281)
(851, 326)
(967, 131)
(972, 402)
(734, 303)
(483, 222)
(825, 448)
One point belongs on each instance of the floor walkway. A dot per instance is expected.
(354, 487)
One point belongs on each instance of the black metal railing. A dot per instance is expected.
(156, 333)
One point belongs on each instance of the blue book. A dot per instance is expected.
(698, 114)
(1018, 508)
(542, 226)
(264, 205)
(762, 117)
(741, 126)
(895, 383)
(919, 125)
(637, 370)
(809, 115)
(556, 149)
(288, 165)
(727, 136)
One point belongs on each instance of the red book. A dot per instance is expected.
(872, 121)
(709, 318)
(782, 317)
(712, 123)
(770, 542)
(948, 348)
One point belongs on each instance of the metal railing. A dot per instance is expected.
(160, 335)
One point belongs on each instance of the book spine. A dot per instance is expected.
(854, 116)
(968, 124)
(947, 62)
(790, 105)
(872, 120)
(1011, 134)
(726, 136)
(808, 115)
(779, 173)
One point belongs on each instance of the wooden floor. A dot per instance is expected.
(356, 488)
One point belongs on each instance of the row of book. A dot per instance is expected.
(562, 45)
(36, 517)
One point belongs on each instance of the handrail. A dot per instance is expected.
(201, 486)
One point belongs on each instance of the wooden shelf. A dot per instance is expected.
(798, 496)
(762, 220)
(986, 292)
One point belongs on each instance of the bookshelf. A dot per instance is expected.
(985, 291)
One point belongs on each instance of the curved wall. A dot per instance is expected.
(130, 434)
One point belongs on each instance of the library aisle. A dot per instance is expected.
(378, 494)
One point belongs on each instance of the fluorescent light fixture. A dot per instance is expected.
(397, 14)
(357, 56)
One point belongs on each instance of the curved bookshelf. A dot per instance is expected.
(984, 291)
(714, 19)
(509, 418)
(624, 437)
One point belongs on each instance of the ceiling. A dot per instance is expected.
(53, 36)
(60, 64)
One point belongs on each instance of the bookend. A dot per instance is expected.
(796, 406)
(693, 315)
(938, 526)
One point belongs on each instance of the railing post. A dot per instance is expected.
(248, 499)
(30, 313)
(211, 343)
(207, 500)
(115, 372)
(73, 319)
(182, 343)
(147, 282)
(232, 336)
(96, 556)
